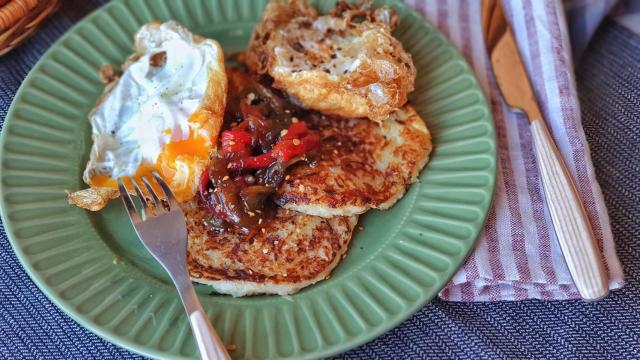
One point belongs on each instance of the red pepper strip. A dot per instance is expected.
(295, 131)
(204, 181)
(253, 162)
(284, 150)
(287, 150)
(236, 143)
(238, 136)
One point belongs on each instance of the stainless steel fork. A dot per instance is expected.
(162, 228)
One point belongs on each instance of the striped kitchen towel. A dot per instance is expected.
(517, 256)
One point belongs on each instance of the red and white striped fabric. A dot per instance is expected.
(517, 256)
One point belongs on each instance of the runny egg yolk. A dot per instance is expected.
(180, 163)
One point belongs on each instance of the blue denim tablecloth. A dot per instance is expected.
(31, 327)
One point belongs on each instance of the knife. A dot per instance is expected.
(568, 215)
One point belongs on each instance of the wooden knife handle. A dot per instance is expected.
(569, 218)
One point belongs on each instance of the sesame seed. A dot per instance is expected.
(294, 119)
(229, 166)
(287, 177)
(276, 242)
(284, 275)
(296, 142)
(225, 178)
(232, 142)
(335, 151)
(301, 187)
(259, 212)
(251, 213)
(283, 132)
(265, 250)
(263, 230)
(259, 221)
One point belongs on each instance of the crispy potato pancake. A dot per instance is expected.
(362, 165)
(294, 251)
(344, 63)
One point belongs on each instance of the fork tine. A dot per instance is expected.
(153, 194)
(143, 199)
(167, 191)
(128, 203)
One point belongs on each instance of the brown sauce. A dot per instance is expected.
(261, 137)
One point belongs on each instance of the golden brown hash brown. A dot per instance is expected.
(293, 251)
(362, 165)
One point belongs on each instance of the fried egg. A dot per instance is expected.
(163, 113)
(345, 63)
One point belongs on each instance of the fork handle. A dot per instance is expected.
(209, 343)
(569, 218)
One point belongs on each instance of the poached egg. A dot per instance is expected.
(164, 112)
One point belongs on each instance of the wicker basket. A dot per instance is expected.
(21, 18)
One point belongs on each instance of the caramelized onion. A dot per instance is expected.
(259, 142)
(254, 197)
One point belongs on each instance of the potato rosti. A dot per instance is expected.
(362, 165)
(293, 251)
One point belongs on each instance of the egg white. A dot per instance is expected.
(149, 106)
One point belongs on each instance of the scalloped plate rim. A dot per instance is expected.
(146, 350)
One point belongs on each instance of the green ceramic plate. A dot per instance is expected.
(93, 267)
